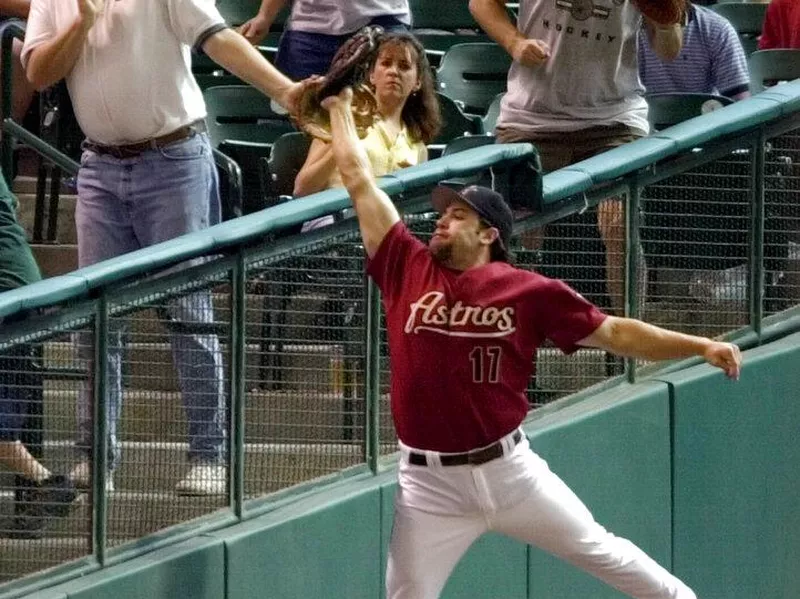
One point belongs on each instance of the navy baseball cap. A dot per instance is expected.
(489, 205)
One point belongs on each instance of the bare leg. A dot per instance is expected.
(16, 456)
(611, 223)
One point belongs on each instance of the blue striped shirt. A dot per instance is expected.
(711, 61)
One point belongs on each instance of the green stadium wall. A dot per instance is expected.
(699, 471)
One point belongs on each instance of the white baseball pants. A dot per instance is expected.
(440, 511)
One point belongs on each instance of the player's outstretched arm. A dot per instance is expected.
(376, 212)
(636, 339)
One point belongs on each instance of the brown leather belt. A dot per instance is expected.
(134, 150)
(474, 458)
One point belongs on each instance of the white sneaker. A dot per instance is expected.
(81, 476)
(204, 479)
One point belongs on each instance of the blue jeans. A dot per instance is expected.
(302, 54)
(127, 204)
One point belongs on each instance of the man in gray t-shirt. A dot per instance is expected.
(574, 91)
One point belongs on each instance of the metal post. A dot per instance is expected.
(7, 154)
(756, 295)
(632, 248)
(100, 432)
(237, 386)
(372, 375)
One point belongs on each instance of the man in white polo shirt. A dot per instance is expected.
(147, 172)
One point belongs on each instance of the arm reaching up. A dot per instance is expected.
(375, 211)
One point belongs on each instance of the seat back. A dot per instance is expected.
(454, 124)
(473, 74)
(665, 110)
(492, 113)
(747, 19)
(242, 113)
(768, 67)
(236, 12)
(278, 173)
(466, 142)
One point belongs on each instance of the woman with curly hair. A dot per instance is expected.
(402, 81)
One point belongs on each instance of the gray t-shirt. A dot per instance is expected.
(339, 17)
(591, 77)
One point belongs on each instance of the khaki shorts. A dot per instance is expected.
(561, 149)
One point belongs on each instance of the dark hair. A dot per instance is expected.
(421, 113)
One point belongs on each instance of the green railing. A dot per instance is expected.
(300, 329)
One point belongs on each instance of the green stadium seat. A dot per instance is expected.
(665, 110)
(473, 74)
(747, 19)
(243, 125)
(768, 67)
(454, 124)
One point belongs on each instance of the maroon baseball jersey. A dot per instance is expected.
(462, 344)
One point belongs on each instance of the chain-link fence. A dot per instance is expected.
(276, 334)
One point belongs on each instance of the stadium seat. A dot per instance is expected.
(747, 19)
(473, 74)
(665, 110)
(768, 67)
(279, 171)
(243, 126)
(454, 124)
(493, 113)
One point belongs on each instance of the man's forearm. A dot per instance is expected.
(53, 60)
(230, 50)
(492, 16)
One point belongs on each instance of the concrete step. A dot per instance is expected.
(21, 557)
(149, 366)
(55, 259)
(26, 184)
(157, 467)
(131, 514)
(65, 223)
(270, 416)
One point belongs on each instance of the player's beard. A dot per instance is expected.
(441, 252)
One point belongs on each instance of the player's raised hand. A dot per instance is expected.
(89, 11)
(725, 356)
(530, 53)
(343, 99)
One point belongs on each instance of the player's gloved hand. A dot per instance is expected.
(530, 53)
(725, 356)
(255, 30)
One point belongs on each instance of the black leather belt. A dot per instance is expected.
(134, 150)
(476, 457)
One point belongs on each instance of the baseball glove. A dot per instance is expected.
(662, 12)
(348, 68)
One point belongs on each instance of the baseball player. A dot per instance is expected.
(466, 467)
